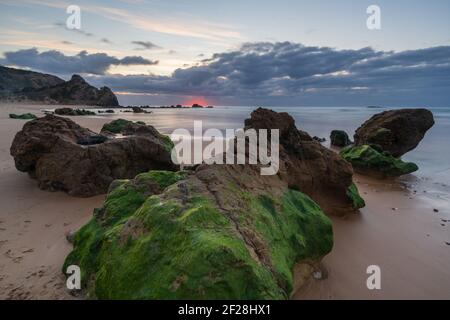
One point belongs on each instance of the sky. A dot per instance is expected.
(247, 52)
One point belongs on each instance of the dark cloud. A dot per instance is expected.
(145, 45)
(276, 73)
(58, 63)
(291, 71)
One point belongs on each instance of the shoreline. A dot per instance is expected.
(407, 243)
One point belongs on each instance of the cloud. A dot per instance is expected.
(275, 73)
(286, 70)
(145, 45)
(105, 40)
(58, 63)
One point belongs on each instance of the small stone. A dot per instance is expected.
(435, 210)
(394, 209)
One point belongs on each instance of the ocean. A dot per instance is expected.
(430, 155)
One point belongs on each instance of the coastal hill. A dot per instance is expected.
(22, 85)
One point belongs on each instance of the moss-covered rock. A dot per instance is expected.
(184, 243)
(372, 161)
(115, 126)
(24, 116)
(353, 193)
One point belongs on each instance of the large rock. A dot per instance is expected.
(339, 138)
(395, 131)
(222, 232)
(306, 165)
(61, 155)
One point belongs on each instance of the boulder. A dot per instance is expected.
(339, 138)
(368, 160)
(308, 166)
(24, 116)
(61, 155)
(221, 232)
(395, 131)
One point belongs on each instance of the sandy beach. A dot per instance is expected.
(404, 229)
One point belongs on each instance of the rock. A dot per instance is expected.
(25, 85)
(368, 161)
(61, 155)
(321, 140)
(73, 112)
(307, 166)
(339, 138)
(395, 131)
(139, 110)
(24, 116)
(199, 235)
(435, 210)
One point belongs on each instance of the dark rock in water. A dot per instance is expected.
(395, 131)
(73, 112)
(369, 161)
(139, 110)
(106, 111)
(339, 138)
(321, 140)
(306, 165)
(24, 116)
(61, 155)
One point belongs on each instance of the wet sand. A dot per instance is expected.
(409, 243)
(399, 231)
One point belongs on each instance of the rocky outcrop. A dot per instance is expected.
(73, 112)
(14, 81)
(23, 116)
(368, 160)
(61, 155)
(339, 138)
(306, 165)
(25, 85)
(395, 131)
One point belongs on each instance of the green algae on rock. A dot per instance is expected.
(367, 159)
(353, 193)
(183, 242)
(24, 116)
(115, 126)
(339, 138)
